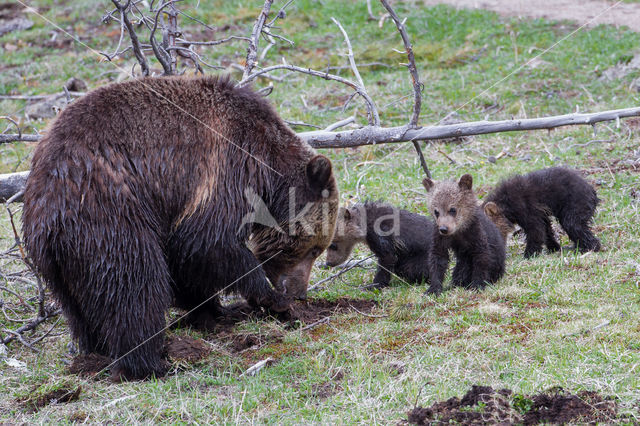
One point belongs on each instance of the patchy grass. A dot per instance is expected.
(557, 320)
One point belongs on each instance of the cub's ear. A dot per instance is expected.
(427, 183)
(319, 172)
(466, 182)
(347, 214)
(491, 209)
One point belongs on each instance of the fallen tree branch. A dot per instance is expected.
(375, 135)
(12, 183)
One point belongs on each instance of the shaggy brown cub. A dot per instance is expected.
(505, 226)
(531, 199)
(400, 240)
(462, 226)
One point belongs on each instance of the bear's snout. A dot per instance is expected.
(443, 230)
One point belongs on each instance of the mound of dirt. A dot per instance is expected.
(36, 399)
(312, 310)
(88, 364)
(185, 348)
(483, 404)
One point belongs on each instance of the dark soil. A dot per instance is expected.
(483, 404)
(88, 364)
(177, 348)
(185, 348)
(190, 350)
(313, 310)
(35, 400)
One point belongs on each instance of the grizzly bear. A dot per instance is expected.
(399, 239)
(505, 226)
(136, 200)
(529, 201)
(462, 226)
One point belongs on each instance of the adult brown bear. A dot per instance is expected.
(138, 197)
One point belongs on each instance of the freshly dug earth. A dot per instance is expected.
(313, 310)
(483, 404)
(36, 399)
(187, 349)
(177, 348)
(190, 350)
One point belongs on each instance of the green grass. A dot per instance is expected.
(540, 326)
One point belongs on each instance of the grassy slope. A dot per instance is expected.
(531, 331)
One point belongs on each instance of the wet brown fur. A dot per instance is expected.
(135, 201)
(530, 200)
(404, 253)
(462, 226)
(504, 225)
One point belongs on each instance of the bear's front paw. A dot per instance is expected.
(434, 290)
(277, 303)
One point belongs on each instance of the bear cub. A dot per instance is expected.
(403, 251)
(530, 200)
(462, 226)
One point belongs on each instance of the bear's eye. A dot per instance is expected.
(452, 211)
(436, 213)
(333, 247)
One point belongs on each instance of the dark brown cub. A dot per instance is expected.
(462, 226)
(530, 200)
(399, 239)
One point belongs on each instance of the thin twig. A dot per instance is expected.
(135, 42)
(252, 49)
(415, 79)
(332, 277)
(372, 110)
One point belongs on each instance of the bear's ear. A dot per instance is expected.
(319, 172)
(491, 209)
(347, 214)
(427, 183)
(466, 182)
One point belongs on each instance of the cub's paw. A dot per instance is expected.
(433, 291)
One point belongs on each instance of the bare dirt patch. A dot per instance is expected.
(589, 12)
(186, 349)
(88, 364)
(38, 398)
(313, 310)
(483, 404)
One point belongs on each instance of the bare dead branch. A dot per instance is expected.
(252, 50)
(342, 271)
(135, 42)
(372, 110)
(18, 138)
(371, 135)
(339, 124)
(370, 12)
(309, 71)
(38, 97)
(415, 79)
(180, 41)
(162, 55)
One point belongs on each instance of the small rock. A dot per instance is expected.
(492, 159)
(15, 24)
(10, 47)
(526, 157)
